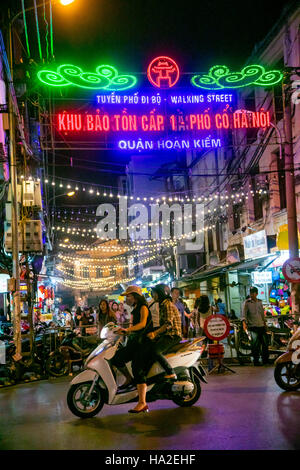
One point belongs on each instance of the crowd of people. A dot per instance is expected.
(192, 320)
(87, 317)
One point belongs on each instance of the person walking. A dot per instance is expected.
(221, 307)
(86, 320)
(254, 320)
(204, 308)
(124, 316)
(68, 318)
(105, 314)
(175, 295)
(78, 316)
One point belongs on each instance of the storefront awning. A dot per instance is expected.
(219, 270)
(252, 263)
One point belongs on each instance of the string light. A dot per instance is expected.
(103, 260)
(133, 246)
(90, 284)
(93, 267)
(94, 190)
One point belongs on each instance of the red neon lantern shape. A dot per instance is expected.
(163, 72)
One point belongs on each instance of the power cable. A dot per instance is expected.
(51, 29)
(25, 28)
(38, 30)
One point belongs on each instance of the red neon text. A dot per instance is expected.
(69, 122)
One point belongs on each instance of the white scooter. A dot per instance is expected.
(98, 383)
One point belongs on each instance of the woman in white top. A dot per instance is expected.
(202, 310)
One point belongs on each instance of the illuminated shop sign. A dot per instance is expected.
(151, 122)
(169, 144)
(164, 129)
(163, 73)
(158, 99)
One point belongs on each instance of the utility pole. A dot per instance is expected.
(291, 192)
(14, 218)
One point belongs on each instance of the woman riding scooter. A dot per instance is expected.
(141, 325)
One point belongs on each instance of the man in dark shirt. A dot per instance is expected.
(254, 320)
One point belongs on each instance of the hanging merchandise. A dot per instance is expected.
(279, 294)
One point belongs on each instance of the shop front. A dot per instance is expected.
(262, 268)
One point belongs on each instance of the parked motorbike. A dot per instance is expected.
(72, 350)
(287, 366)
(99, 381)
(239, 339)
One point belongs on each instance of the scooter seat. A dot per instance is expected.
(183, 345)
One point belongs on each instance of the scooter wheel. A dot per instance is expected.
(287, 376)
(78, 403)
(192, 398)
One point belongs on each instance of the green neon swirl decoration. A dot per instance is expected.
(220, 77)
(106, 77)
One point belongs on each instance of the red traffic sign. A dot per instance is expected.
(291, 270)
(216, 327)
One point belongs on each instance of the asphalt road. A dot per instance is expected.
(246, 410)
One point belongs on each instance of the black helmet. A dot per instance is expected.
(162, 291)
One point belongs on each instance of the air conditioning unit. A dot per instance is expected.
(28, 193)
(32, 194)
(29, 236)
(37, 195)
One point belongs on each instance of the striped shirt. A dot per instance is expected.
(170, 315)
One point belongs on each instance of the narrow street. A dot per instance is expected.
(245, 410)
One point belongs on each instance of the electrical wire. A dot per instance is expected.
(47, 30)
(38, 30)
(51, 30)
(25, 28)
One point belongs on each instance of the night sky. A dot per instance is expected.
(130, 33)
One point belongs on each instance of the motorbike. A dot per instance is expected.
(287, 366)
(72, 350)
(98, 383)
